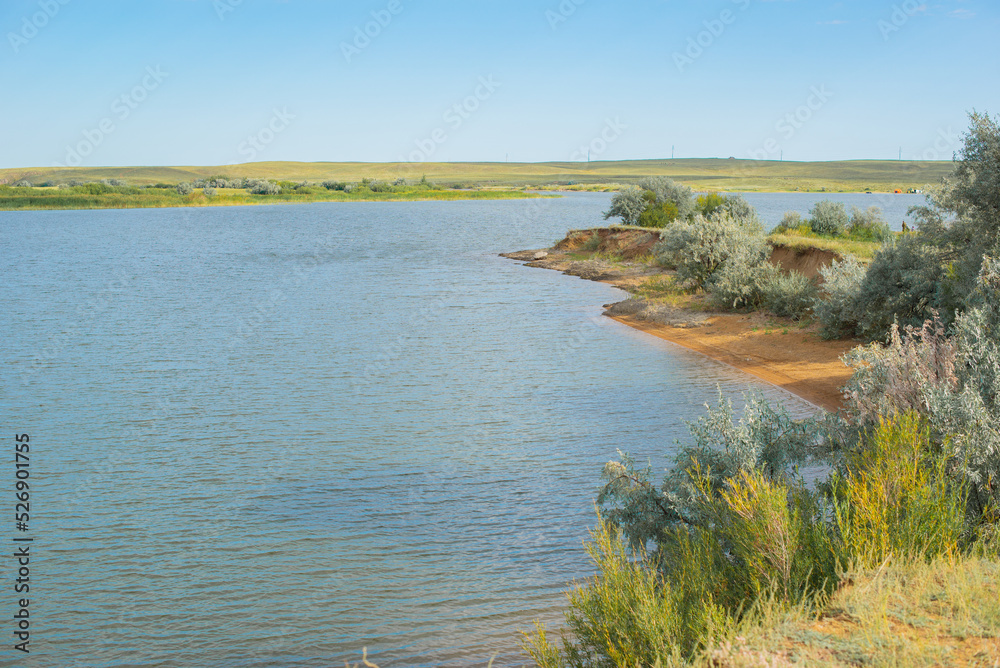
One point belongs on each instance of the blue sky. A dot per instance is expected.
(205, 82)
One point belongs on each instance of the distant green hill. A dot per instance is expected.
(700, 173)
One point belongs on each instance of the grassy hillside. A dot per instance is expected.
(702, 174)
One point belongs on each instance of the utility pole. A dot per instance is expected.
(671, 152)
(588, 156)
(900, 153)
(782, 157)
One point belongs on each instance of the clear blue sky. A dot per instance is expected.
(888, 75)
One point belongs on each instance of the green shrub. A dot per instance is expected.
(625, 616)
(792, 220)
(708, 203)
(896, 498)
(627, 204)
(667, 190)
(23, 183)
(837, 310)
(658, 215)
(903, 284)
(263, 187)
(334, 185)
(184, 188)
(209, 192)
(952, 380)
(829, 218)
(741, 281)
(700, 248)
(868, 225)
(789, 295)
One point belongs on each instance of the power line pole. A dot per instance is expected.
(671, 152)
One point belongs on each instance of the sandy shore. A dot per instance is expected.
(776, 350)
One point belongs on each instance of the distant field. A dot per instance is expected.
(701, 174)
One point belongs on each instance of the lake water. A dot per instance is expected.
(272, 436)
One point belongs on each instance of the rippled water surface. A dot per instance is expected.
(272, 436)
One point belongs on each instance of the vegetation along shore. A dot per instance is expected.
(117, 193)
(731, 557)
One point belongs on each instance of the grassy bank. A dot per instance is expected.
(702, 174)
(91, 197)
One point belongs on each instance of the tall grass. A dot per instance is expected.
(763, 544)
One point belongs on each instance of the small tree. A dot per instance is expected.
(668, 190)
(184, 188)
(627, 204)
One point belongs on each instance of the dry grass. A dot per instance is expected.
(942, 613)
(862, 250)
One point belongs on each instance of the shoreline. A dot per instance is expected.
(808, 383)
(779, 351)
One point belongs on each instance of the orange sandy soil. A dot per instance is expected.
(798, 361)
(773, 349)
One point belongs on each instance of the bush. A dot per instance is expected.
(184, 188)
(829, 218)
(263, 187)
(668, 190)
(838, 311)
(725, 255)
(708, 203)
(868, 225)
(903, 284)
(954, 381)
(625, 616)
(698, 249)
(792, 220)
(896, 499)
(334, 185)
(789, 295)
(627, 204)
(209, 192)
(380, 187)
(741, 280)
(658, 215)
(739, 209)
(115, 183)
(23, 183)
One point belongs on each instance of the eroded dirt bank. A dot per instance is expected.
(780, 351)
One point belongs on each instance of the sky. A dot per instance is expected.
(215, 82)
